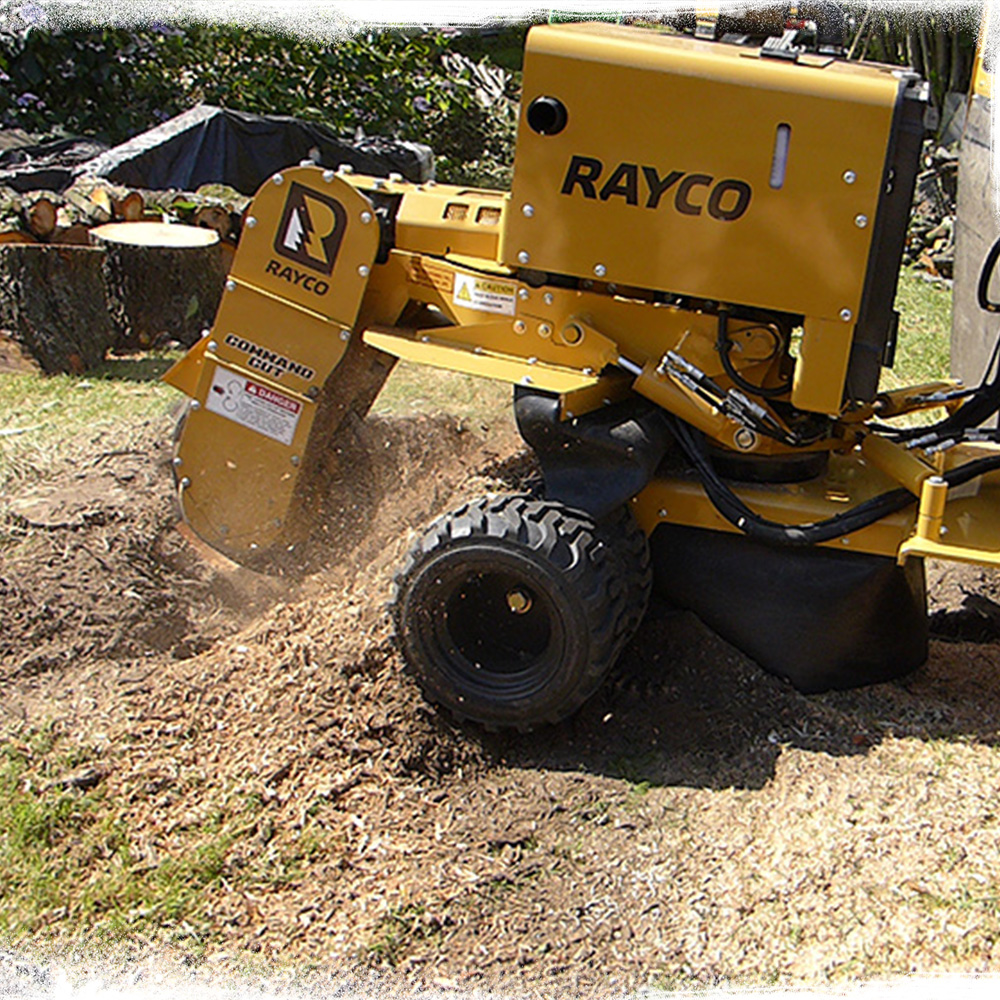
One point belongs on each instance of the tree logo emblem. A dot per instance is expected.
(311, 229)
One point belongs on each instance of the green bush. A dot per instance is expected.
(114, 83)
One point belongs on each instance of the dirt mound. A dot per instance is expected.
(251, 770)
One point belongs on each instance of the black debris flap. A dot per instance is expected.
(209, 145)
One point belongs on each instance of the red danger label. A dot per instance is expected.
(275, 398)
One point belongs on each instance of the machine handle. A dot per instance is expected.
(984, 279)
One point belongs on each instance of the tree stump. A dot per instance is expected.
(53, 309)
(164, 282)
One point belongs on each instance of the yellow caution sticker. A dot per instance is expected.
(485, 294)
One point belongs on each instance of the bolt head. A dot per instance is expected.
(532, 361)
(345, 168)
(523, 257)
(528, 211)
(544, 330)
(519, 326)
(178, 461)
(345, 334)
(846, 315)
(195, 405)
(526, 380)
(185, 483)
(363, 270)
(328, 176)
(600, 270)
(251, 221)
(850, 176)
(366, 217)
(230, 285)
(662, 512)
(523, 294)
(395, 178)
(295, 459)
(861, 221)
(278, 179)
(548, 298)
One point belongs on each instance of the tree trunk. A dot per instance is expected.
(53, 308)
(160, 293)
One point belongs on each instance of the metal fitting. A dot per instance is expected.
(519, 326)
(295, 460)
(363, 270)
(523, 257)
(230, 285)
(212, 345)
(328, 176)
(345, 334)
(600, 270)
(366, 217)
(861, 221)
(523, 294)
(850, 176)
(528, 211)
(846, 315)
(278, 179)
(251, 221)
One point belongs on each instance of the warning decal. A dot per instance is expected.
(476, 291)
(253, 405)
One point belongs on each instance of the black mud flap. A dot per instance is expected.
(821, 618)
(599, 461)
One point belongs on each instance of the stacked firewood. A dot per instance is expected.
(48, 217)
(930, 239)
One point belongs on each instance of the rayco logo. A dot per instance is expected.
(727, 199)
(310, 233)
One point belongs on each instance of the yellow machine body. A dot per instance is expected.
(686, 178)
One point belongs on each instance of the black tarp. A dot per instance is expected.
(209, 145)
(29, 166)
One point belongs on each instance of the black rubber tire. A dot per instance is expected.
(629, 547)
(460, 635)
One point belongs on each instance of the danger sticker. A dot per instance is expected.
(474, 291)
(252, 405)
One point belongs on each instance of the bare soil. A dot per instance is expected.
(698, 821)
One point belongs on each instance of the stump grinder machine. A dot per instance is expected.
(690, 287)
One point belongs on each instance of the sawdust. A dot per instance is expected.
(697, 821)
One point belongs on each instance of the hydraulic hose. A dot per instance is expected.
(737, 513)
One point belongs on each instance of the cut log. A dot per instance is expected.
(164, 281)
(53, 307)
(40, 217)
(75, 235)
(130, 208)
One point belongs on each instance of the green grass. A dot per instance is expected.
(67, 855)
(923, 350)
(414, 389)
(44, 419)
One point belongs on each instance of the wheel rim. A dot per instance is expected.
(494, 627)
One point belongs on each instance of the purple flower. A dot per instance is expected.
(25, 100)
(422, 105)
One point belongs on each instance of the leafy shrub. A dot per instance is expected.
(115, 83)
